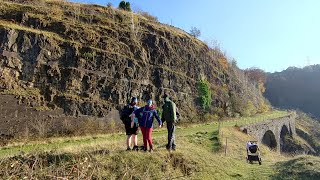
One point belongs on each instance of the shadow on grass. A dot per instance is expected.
(210, 140)
(307, 167)
(215, 140)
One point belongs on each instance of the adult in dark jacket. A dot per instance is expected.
(128, 118)
(146, 116)
(170, 115)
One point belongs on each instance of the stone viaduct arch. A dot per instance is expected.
(272, 132)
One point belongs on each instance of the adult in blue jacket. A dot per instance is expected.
(146, 116)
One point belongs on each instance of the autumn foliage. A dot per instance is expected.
(257, 75)
(224, 63)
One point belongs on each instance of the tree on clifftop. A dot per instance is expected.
(125, 6)
(195, 32)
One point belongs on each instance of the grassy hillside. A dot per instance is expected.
(308, 129)
(200, 155)
(302, 167)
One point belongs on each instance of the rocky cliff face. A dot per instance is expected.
(89, 60)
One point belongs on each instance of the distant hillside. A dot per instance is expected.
(295, 88)
(90, 60)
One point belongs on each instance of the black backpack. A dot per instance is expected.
(253, 148)
(125, 113)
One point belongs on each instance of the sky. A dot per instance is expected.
(268, 34)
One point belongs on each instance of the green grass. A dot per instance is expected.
(303, 167)
(29, 92)
(76, 144)
(11, 25)
(200, 155)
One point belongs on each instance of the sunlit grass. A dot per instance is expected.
(81, 143)
(11, 25)
(200, 154)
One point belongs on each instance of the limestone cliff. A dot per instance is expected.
(89, 60)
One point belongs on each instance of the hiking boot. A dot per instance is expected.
(135, 148)
(145, 149)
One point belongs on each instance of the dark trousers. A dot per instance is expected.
(171, 136)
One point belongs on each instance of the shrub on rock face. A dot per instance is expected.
(204, 92)
(148, 16)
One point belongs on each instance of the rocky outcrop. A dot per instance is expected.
(91, 65)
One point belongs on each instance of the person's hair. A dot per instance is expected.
(165, 95)
(133, 100)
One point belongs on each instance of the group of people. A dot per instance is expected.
(134, 117)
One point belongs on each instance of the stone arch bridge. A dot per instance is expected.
(272, 132)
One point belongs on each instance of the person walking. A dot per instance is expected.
(170, 115)
(128, 118)
(146, 116)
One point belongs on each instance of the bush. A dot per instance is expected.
(119, 18)
(218, 111)
(125, 6)
(242, 106)
(204, 92)
(224, 63)
(263, 106)
(88, 55)
(249, 109)
(148, 16)
(41, 127)
(207, 117)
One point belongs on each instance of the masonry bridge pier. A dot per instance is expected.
(273, 132)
